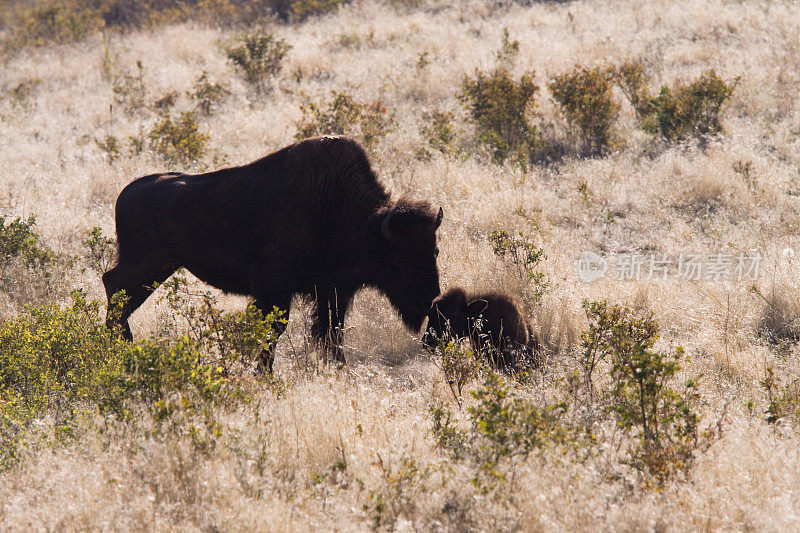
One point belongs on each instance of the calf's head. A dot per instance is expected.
(404, 258)
(452, 317)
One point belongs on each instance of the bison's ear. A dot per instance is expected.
(476, 307)
(438, 220)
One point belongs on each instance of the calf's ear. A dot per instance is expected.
(476, 307)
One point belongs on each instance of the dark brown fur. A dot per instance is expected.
(306, 219)
(493, 322)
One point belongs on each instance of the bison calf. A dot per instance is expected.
(492, 321)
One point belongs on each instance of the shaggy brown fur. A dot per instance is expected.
(311, 218)
(493, 322)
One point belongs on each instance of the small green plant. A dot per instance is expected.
(398, 493)
(22, 93)
(661, 424)
(130, 91)
(166, 102)
(299, 10)
(508, 49)
(585, 96)
(783, 400)
(18, 239)
(499, 106)
(439, 131)
(343, 115)
(179, 140)
(631, 78)
(259, 57)
(745, 170)
(459, 365)
(503, 427)
(110, 146)
(208, 95)
(524, 255)
(102, 251)
(235, 339)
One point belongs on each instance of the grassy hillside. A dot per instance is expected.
(365, 447)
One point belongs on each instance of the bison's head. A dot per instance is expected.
(451, 316)
(404, 258)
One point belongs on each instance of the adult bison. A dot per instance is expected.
(310, 219)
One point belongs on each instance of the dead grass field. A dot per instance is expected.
(274, 467)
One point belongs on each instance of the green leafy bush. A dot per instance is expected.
(689, 110)
(102, 250)
(343, 115)
(259, 57)
(678, 112)
(18, 239)
(504, 426)
(235, 339)
(585, 96)
(459, 365)
(783, 400)
(110, 146)
(208, 95)
(130, 91)
(302, 9)
(179, 140)
(439, 132)
(499, 106)
(660, 422)
(524, 255)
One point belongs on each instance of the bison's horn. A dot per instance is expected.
(438, 219)
(385, 231)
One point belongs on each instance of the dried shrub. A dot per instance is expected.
(110, 146)
(440, 133)
(523, 253)
(783, 400)
(585, 96)
(499, 106)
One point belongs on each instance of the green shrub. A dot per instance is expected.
(585, 96)
(234, 339)
(459, 365)
(499, 106)
(53, 21)
(440, 132)
(660, 423)
(22, 93)
(130, 92)
(302, 9)
(691, 110)
(110, 146)
(207, 94)
(677, 112)
(178, 140)
(259, 57)
(343, 115)
(18, 239)
(102, 251)
(504, 426)
(783, 400)
(525, 256)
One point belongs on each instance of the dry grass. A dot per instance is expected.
(274, 468)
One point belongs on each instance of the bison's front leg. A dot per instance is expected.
(328, 324)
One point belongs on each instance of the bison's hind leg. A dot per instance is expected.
(137, 280)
